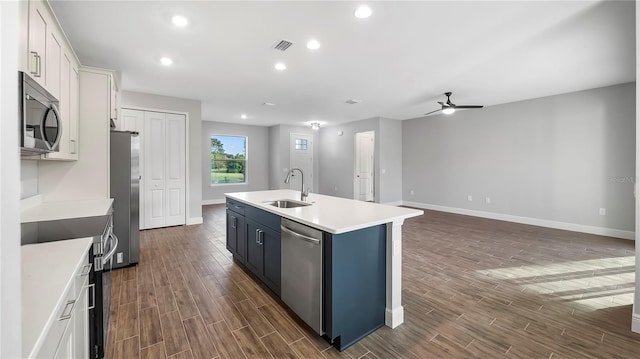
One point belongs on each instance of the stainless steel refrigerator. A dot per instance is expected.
(125, 185)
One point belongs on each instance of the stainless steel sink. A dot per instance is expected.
(287, 203)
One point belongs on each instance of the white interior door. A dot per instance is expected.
(163, 162)
(301, 156)
(364, 159)
(175, 170)
(154, 169)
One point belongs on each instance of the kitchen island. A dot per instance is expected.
(346, 224)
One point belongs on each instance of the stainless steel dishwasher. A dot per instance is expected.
(301, 285)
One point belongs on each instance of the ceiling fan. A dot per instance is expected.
(450, 107)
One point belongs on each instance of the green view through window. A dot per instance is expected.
(228, 159)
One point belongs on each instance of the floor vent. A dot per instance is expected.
(283, 45)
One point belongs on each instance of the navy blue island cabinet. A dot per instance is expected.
(354, 269)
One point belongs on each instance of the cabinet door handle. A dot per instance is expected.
(93, 295)
(85, 270)
(70, 304)
(38, 66)
(36, 58)
(257, 236)
(73, 146)
(260, 236)
(233, 222)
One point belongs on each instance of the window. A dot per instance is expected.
(301, 144)
(228, 159)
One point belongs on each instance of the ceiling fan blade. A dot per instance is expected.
(441, 103)
(428, 113)
(468, 106)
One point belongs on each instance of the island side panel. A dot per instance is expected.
(355, 284)
(394, 313)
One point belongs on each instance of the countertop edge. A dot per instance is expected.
(36, 346)
(292, 217)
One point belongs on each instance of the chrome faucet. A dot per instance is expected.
(303, 193)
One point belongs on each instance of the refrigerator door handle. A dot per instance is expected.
(114, 247)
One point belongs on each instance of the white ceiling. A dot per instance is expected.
(398, 62)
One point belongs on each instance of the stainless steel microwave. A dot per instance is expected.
(41, 125)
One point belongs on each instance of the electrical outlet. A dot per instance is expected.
(470, 198)
(487, 200)
(603, 211)
(119, 258)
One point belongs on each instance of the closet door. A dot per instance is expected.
(175, 170)
(164, 167)
(154, 169)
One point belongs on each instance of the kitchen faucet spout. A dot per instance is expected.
(303, 193)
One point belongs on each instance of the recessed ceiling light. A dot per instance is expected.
(313, 45)
(243, 116)
(315, 126)
(363, 12)
(180, 21)
(280, 66)
(166, 61)
(268, 104)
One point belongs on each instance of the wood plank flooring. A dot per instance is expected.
(472, 287)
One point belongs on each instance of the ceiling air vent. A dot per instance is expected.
(283, 45)
(353, 101)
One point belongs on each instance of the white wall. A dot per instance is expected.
(336, 159)
(10, 309)
(557, 158)
(635, 322)
(28, 178)
(257, 159)
(194, 108)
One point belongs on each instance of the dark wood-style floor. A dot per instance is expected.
(472, 287)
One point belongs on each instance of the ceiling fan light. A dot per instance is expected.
(448, 110)
(315, 126)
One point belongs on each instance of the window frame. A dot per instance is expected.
(246, 161)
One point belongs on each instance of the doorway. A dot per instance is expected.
(364, 166)
(301, 156)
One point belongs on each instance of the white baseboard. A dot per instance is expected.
(610, 232)
(206, 202)
(635, 323)
(194, 220)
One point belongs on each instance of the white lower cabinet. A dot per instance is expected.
(68, 336)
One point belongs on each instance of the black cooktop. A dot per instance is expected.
(49, 231)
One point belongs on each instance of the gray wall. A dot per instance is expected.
(194, 108)
(279, 155)
(390, 140)
(558, 158)
(336, 159)
(257, 159)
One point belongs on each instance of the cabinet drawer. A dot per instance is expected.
(263, 217)
(236, 206)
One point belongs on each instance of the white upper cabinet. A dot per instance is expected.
(53, 64)
(39, 22)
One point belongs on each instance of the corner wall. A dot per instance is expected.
(194, 108)
(10, 277)
(279, 155)
(336, 164)
(557, 160)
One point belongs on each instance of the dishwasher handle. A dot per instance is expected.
(300, 236)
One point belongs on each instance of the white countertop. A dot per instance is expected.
(48, 271)
(47, 211)
(330, 214)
